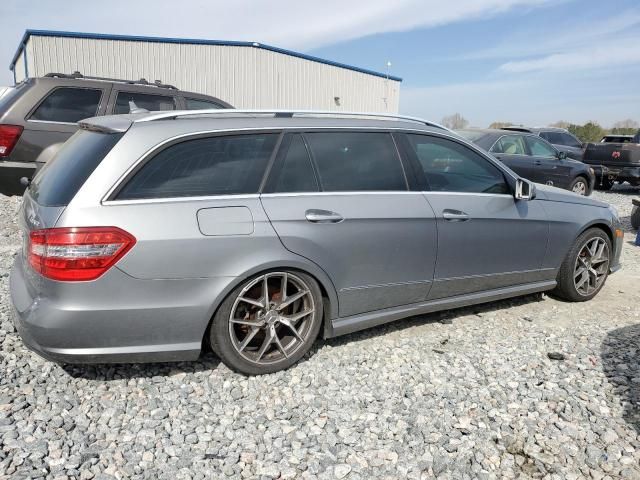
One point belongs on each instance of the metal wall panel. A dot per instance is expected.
(246, 77)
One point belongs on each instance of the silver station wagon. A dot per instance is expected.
(154, 236)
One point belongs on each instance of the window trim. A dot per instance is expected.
(110, 198)
(413, 157)
(30, 113)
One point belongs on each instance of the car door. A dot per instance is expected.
(549, 168)
(340, 199)
(512, 151)
(486, 239)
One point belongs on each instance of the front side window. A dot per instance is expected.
(451, 167)
(125, 101)
(540, 148)
(197, 104)
(226, 165)
(68, 105)
(356, 161)
(510, 145)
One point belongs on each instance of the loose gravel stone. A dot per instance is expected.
(467, 394)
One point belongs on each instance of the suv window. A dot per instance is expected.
(451, 167)
(510, 145)
(560, 138)
(204, 166)
(68, 105)
(295, 173)
(540, 148)
(197, 104)
(67, 171)
(356, 161)
(153, 103)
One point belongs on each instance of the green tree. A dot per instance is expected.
(589, 132)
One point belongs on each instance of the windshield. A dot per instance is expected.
(67, 171)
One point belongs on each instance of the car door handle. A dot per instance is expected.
(455, 216)
(322, 216)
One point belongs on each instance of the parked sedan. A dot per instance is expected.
(534, 158)
(560, 138)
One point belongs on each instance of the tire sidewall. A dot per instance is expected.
(222, 345)
(583, 181)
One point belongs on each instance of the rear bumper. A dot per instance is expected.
(115, 319)
(12, 172)
(620, 174)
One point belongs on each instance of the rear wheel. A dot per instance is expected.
(268, 323)
(586, 267)
(580, 186)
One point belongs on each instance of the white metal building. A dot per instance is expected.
(245, 74)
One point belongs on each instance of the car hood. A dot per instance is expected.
(553, 194)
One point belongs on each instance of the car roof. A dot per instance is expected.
(229, 119)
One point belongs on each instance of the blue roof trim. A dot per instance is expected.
(190, 41)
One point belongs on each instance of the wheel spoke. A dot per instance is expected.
(287, 323)
(249, 323)
(276, 340)
(268, 338)
(297, 316)
(265, 291)
(292, 298)
(251, 301)
(283, 287)
(248, 338)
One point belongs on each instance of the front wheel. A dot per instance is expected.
(268, 323)
(586, 267)
(580, 186)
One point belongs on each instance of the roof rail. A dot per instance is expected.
(170, 115)
(142, 81)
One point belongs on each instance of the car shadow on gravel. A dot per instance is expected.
(108, 372)
(620, 353)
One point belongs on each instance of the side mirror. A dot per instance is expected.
(525, 190)
(561, 155)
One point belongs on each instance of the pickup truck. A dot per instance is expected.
(616, 158)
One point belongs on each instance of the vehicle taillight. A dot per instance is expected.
(9, 135)
(77, 254)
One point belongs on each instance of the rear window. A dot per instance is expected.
(61, 178)
(197, 104)
(125, 101)
(68, 105)
(226, 165)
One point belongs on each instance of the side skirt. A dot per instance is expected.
(342, 326)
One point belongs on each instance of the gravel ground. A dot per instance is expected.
(466, 394)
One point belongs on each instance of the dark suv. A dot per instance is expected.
(39, 114)
(560, 138)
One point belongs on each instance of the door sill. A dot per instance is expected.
(354, 323)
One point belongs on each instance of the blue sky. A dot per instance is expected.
(523, 61)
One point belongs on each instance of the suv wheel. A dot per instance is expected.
(580, 186)
(585, 268)
(268, 323)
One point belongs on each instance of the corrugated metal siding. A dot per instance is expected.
(19, 69)
(246, 77)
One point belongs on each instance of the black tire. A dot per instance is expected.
(566, 288)
(223, 332)
(582, 184)
(604, 184)
(635, 217)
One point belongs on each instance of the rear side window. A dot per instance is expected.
(510, 145)
(205, 166)
(62, 176)
(451, 167)
(68, 105)
(196, 104)
(356, 161)
(153, 103)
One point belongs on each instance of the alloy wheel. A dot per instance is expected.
(580, 188)
(591, 266)
(272, 317)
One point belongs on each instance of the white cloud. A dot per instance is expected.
(581, 59)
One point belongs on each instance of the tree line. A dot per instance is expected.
(591, 131)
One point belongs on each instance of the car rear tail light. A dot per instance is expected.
(77, 254)
(9, 135)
